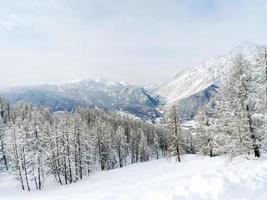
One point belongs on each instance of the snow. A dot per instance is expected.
(128, 115)
(196, 177)
(199, 77)
(74, 81)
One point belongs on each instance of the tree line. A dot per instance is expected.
(37, 143)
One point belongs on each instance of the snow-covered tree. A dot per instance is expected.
(176, 138)
(206, 136)
(144, 150)
(36, 143)
(120, 145)
(237, 116)
(4, 123)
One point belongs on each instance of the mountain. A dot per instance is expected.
(102, 94)
(189, 90)
(188, 107)
(194, 87)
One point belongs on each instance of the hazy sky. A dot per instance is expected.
(138, 41)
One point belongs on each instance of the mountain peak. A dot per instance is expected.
(248, 50)
(102, 81)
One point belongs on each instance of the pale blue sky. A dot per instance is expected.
(138, 41)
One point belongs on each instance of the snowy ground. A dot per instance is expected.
(195, 178)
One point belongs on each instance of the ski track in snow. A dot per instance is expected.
(196, 177)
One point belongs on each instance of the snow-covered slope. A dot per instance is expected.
(195, 178)
(198, 78)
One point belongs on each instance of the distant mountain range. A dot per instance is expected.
(102, 94)
(190, 89)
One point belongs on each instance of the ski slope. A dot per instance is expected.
(196, 177)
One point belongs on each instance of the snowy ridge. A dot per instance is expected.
(198, 78)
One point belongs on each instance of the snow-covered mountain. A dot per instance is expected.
(102, 94)
(189, 90)
(201, 80)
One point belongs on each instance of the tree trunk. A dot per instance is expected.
(178, 153)
(17, 160)
(25, 170)
(120, 157)
(252, 132)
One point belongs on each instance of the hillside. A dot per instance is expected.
(196, 178)
(195, 81)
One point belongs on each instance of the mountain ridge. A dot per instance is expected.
(189, 90)
(112, 96)
(197, 79)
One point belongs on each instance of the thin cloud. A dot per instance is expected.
(140, 42)
(12, 22)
